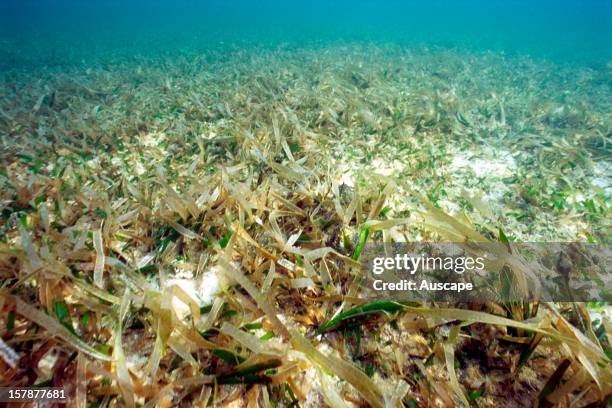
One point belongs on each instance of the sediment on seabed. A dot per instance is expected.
(183, 230)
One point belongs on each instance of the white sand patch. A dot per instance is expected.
(601, 182)
(344, 175)
(575, 198)
(498, 164)
(209, 285)
(347, 179)
(490, 166)
(136, 362)
(385, 168)
(152, 139)
(139, 169)
(203, 292)
(188, 285)
(603, 176)
(450, 207)
(117, 161)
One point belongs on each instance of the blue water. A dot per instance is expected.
(55, 32)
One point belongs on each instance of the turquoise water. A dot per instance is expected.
(58, 32)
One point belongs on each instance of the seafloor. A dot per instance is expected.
(176, 228)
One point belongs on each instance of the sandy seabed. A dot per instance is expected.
(183, 229)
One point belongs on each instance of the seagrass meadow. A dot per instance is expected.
(184, 228)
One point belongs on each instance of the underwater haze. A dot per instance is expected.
(54, 32)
